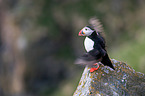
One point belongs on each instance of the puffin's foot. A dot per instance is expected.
(94, 69)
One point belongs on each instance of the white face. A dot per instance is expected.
(87, 31)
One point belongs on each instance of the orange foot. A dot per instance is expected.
(94, 69)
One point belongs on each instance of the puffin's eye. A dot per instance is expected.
(86, 29)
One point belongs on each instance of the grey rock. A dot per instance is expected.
(123, 81)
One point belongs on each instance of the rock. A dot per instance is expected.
(124, 81)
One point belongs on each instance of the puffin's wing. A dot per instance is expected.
(101, 40)
(95, 53)
(89, 58)
(86, 59)
(96, 24)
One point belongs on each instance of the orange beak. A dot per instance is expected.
(81, 33)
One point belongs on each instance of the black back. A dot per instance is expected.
(99, 44)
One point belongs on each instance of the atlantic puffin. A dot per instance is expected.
(94, 45)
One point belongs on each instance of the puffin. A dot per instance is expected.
(95, 46)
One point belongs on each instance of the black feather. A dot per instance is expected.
(106, 61)
(89, 58)
(99, 45)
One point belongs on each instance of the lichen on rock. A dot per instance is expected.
(123, 81)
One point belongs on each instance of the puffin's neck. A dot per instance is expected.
(93, 35)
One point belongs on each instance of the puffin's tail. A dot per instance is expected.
(107, 61)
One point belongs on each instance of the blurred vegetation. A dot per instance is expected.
(39, 42)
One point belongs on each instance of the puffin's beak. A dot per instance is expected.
(81, 33)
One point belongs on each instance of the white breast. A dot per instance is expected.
(88, 44)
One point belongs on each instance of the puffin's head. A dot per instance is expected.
(86, 31)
